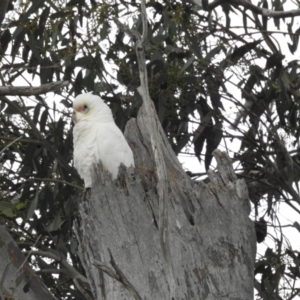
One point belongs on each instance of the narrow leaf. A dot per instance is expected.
(187, 64)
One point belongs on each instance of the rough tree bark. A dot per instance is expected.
(211, 239)
(154, 233)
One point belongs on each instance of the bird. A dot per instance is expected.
(96, 137)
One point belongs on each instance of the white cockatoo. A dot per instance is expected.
(97, 138)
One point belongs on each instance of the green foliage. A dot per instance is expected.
(192, 59)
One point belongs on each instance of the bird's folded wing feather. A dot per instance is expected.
(112, 148)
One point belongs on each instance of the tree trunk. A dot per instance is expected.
(207, 246)
(17, 280)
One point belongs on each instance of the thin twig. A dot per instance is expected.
(122, 278)
(14, 141)
(28, 254)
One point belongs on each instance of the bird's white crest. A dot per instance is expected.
(97, 138)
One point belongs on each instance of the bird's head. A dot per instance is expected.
(90, 107)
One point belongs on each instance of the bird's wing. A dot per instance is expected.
(84, 153)
(112, 148)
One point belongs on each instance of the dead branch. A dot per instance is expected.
(32, 90)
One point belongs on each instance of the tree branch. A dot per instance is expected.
(14, 141)
(73, 273)
(79, 280)
(255, 9)
(122, 278)
(154, 128)
(52, 271)
(12, 264)
(31, 90)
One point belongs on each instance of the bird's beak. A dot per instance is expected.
(74, 118)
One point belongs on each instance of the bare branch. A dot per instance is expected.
(155, 131)
(145, 23)
(30, 90)
(14, 141)
(255, 9)
(122, 278)
(104, 268)
(13, 262)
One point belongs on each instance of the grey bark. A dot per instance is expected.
(157, 145)
(32, 90)
(210, 237)
(16, 274)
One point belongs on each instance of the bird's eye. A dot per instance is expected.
(85, 108)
